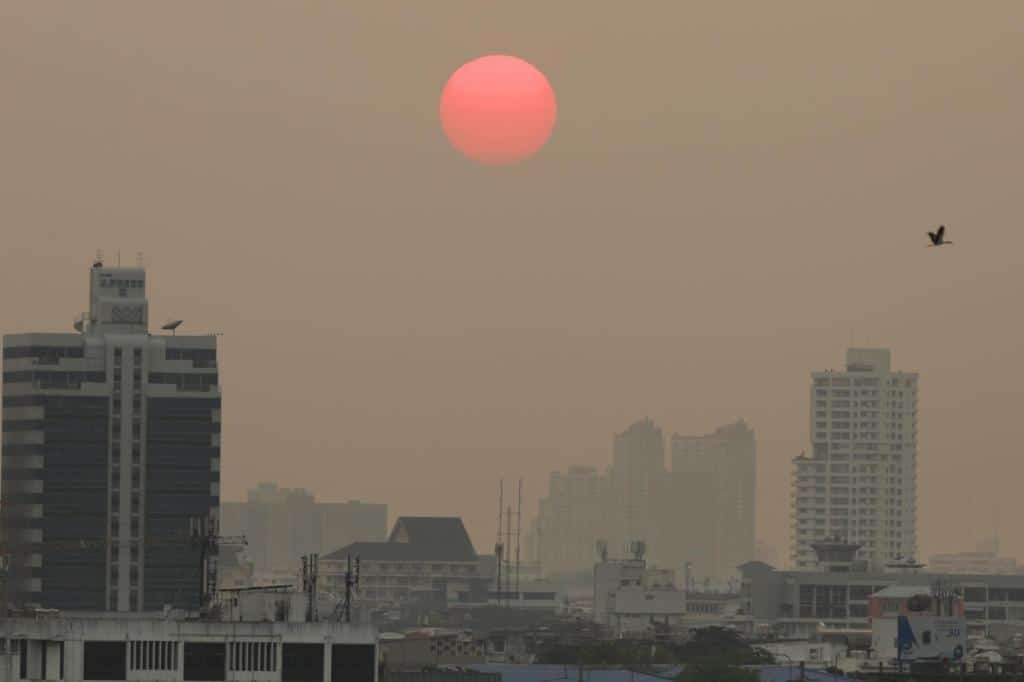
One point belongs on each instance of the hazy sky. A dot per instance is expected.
(733, 189)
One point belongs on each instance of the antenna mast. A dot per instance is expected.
(498, 547)
(508, 555)
(519, 530)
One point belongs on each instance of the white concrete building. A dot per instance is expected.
(629, 597)
(145, 648)
(859, 482)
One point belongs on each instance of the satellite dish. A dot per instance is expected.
(172, 326)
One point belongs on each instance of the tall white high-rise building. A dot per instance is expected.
(859, 482)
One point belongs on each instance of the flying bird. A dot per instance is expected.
(938, 237)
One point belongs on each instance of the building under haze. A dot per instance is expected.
(282, 524)
(859, 482)
(636, 479)
(571, 520)
(724, 464)
(111, 448)
(696, 518)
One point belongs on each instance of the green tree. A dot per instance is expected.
(716, 671)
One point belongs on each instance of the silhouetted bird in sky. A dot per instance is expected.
(938, 237)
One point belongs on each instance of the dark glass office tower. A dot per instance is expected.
(111, 451)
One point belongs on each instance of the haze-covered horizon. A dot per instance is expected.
(731, 196)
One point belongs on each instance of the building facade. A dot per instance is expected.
(860, 480)
(840, 595)
(111, 452)
(636, 478)
(283, 524)
(147, 649)
(571, 520)
(725, 462)
(630, 597)
(426, 560)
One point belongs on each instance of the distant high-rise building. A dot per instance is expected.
(859, 483)
(725, 464)
(111, 448)
(283, 524)
(697, 518)
(636, 476)
(572, 519)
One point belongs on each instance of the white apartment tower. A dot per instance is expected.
(860, 481)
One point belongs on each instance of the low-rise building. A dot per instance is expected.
(629, 597)
(973, 562)
(427, 559)
(793, 603)
(914, 623)
(150, 648)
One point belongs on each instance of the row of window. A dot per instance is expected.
(152, 655)
(122, 283)
(185, 382)
(200, 357)
(45, 353)
(49, 379)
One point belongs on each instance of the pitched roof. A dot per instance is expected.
(416, 538)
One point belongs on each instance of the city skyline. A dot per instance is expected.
(727, 195)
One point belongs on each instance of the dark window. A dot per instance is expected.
(975, 594)
(548, 596)
(352, 662)
(205, 662)
(926, 637)
(105, 661)
(997, 613)
(302, 663)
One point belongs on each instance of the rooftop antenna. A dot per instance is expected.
(139, 260)
(119, 258)
(172, 326)
(98, 263)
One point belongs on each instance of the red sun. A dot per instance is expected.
(498, 109)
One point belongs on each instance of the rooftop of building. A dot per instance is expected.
(416, 538)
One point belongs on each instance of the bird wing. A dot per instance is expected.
(942, 231)
(934, 237)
